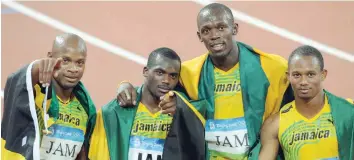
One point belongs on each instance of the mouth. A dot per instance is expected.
(217, 46)
(71, 79)
(304, 90)
(164, 89)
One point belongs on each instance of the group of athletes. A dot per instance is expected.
(256, 105)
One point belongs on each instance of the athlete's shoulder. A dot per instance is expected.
(271, 124)
(272, 118)
(286, 108)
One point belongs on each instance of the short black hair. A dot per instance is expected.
(307, 50)
(217, 7)
(163, 51)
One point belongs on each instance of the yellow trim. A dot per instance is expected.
(275, 67)
(143, 108)
(282, 127)
(200, 117)
(40, 97)
(190, 74)
(228, 71)
(67, 102)
(350, 100)
(325, 108)
(7, 154)
(99, 146)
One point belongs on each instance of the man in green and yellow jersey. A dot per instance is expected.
(317, 124)
(143, 132)
(48, 113)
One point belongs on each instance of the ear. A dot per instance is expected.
(235, 29)
(287, 75)
(145, 71)
(200, 38)
(324, 74)
(50, 55)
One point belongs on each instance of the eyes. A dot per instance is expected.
(206, 30)
(161, 73)
(67, 60)
(298, 75)
(173, 76)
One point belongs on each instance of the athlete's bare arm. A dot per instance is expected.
(269, 138)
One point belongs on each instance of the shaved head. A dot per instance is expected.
(72, 50)
(69, 42)
(212, 11)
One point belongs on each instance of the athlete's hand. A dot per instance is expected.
(44, 70)
(168, 103)
(126, 94)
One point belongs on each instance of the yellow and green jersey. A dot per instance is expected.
(303, 138)
(226, 134)
(148, 134)
(67, 131)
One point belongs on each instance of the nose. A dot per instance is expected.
(166, 79)
(215, 34)
(72, 68)
(304, 81)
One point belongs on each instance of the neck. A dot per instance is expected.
(310, 107)
(227, 62)
(150, 101)
(63, 94)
